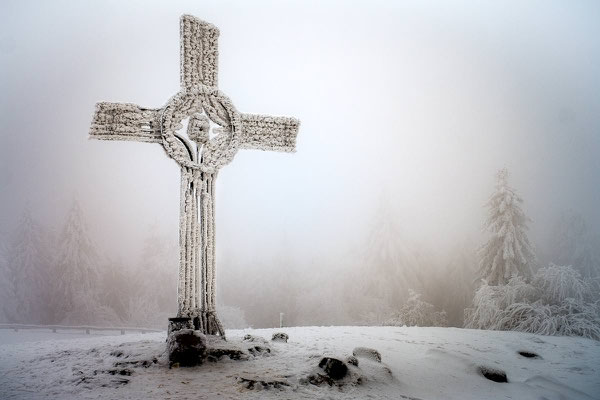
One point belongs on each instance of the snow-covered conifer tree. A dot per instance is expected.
(7, 294)
(390, 266)
(77, 263)
(508, 252)
(149, 294)
(157, 269)
(27, 264)
(117, 284)
(417, 312)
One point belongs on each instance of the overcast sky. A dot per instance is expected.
(419, 102)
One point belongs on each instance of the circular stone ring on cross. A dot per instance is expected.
(219, 150)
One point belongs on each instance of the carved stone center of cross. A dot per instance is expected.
(215, 152)
(200, 159)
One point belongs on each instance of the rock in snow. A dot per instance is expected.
(493, 374)
(280, 337)
(252, 338)
(186, 347)
(333, 367)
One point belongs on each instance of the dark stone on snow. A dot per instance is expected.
(528, 354)
(493, 374)
(251, 384)
(216, 348)
(259, 350)
(317, 380)
(280, 337)
(352, 361)
(333, 367)
(214, 354)
(124, 371)
(100, 378)
(186, 347)
(252, 338)
(366, 352)
(136, 363)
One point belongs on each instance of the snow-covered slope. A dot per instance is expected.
(426, 363)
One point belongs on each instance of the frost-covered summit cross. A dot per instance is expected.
(207, 148)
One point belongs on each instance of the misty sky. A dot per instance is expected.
(417, 102)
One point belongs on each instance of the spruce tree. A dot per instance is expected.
(8, 303)
(390, 265)
(27, 263)
(77, 265)
(508, 252)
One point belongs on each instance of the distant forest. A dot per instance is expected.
(61, 277)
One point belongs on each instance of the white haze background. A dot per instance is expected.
(408, 109)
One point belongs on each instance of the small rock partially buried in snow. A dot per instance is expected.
(258, 350)
(334, 368)
(258, 384)
(528, 354)
(217, 348)
(187, 347)
(251, 338)
(368, 353)
(493, 374)
(280, 337)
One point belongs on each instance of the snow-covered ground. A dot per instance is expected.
(426, 363)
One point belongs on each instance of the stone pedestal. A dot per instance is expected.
(179, 323)
(186, 347)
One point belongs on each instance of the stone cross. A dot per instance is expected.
(215, 132)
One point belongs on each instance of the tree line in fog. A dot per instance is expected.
(61, 277)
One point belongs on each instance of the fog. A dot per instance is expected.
(407, 109)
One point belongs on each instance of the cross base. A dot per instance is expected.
(206, 322)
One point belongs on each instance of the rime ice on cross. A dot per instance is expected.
(199, 158)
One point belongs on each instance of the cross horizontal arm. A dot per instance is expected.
(263, 132)
(199, 52)
(125, 121)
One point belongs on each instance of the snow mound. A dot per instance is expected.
(365, 352)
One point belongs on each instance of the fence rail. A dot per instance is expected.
(85, 328)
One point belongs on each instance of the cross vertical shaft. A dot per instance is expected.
(197, 259)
